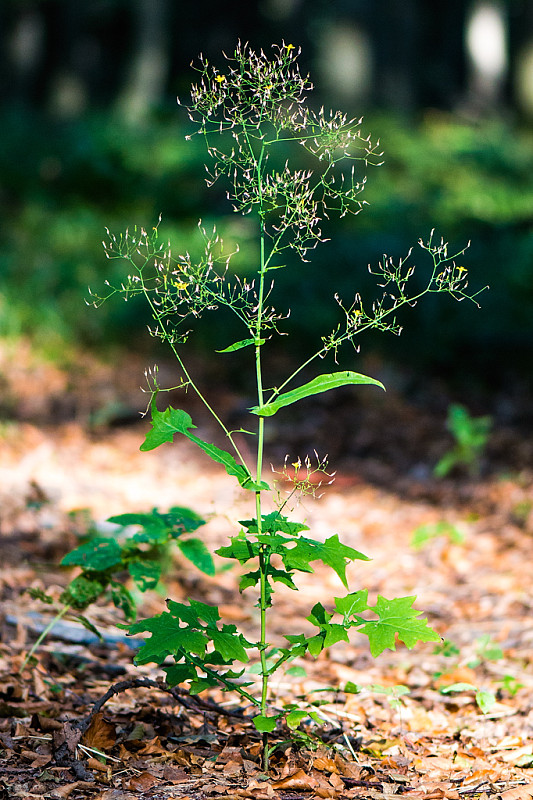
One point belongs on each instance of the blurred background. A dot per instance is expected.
(91, 136)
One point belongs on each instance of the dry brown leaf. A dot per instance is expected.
(325, 764)
(98, 766)
(100, 734)
(142, 782)
(347, 768)
(299, 781)
(518, 792)
(65, 791)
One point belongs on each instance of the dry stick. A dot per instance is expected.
(186, 700)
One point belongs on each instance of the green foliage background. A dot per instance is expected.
(62, 182)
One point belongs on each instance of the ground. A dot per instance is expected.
(470, 571)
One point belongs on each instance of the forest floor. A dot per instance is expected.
(469, 566)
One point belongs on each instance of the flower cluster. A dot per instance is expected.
(253, 114)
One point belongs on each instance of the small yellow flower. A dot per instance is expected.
(220, 78)
(180, 285)
(289, 47)
(461, 269)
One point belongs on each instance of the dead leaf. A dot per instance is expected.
(142, 782)
(98, 766)
(100, 734)
(299, 780)
(518, 793)
(325, 764)
(65, 791)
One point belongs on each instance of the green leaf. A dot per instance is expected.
(38, 594)
(145, 573)
(485, 700)
(352, 688)
(143, 519)
(122, 599)
(178, 673)
(194, 611)
(315, 644)
(200, 685)
(168, 637)
(295, 717)
(458, 687)
(229, 643)
(322, 383)
(97, 555)
(181, 517)
(335, 633)
(241, 549)
(331, 552)
(82, 591)
(352, 604)
(296, 672)
(265, 724)
(88, 625)
(274, 523)
(171, 421)
(196, 551)
(396, 618)
(239, 345)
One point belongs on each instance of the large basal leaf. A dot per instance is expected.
(97, 555)
(397, 618)
(165, 424)
(196, 551)
(322, 383)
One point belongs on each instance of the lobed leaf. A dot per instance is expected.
(396, 618)
(332, 552)
(169, 637)
(322, 383)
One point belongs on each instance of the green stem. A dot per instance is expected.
(157, 317)
(43, 636)
(263, 554)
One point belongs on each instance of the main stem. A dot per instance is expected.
(263, 556)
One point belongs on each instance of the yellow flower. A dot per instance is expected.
(220, 78)
(461, 269)
(289, 47)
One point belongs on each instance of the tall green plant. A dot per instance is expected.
(256, 124)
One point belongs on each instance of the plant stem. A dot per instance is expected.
(263, 555)
(43, 636)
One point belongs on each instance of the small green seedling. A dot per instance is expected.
(484, 698)
(471, 435)
(426, 533)
(105, 563)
